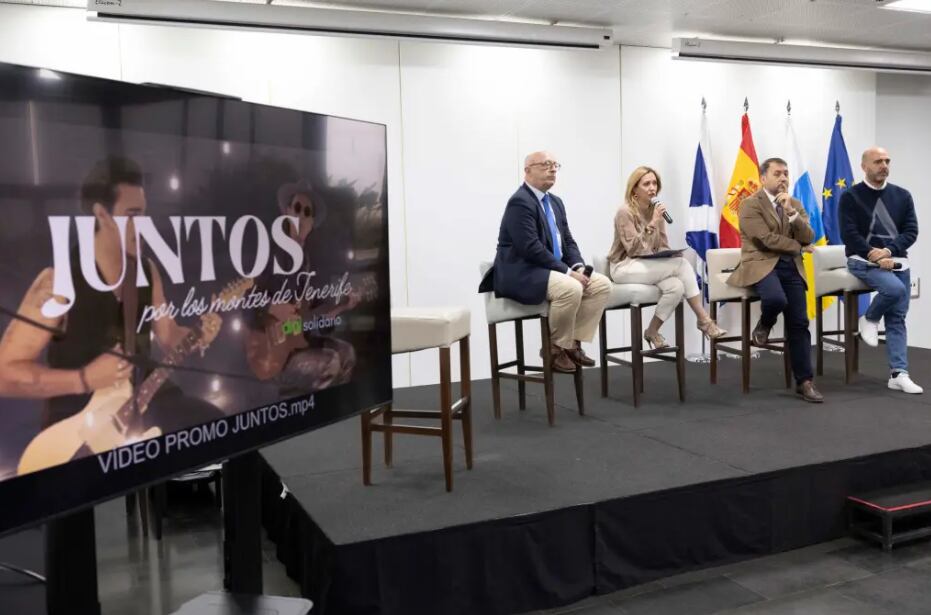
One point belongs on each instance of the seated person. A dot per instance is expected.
(774, 230)
(639, 229)
(538, 260)
(878, 225)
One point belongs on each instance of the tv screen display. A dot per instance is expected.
(183, 277)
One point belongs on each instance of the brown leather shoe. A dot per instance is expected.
(760, 335)
(808, 392)
(561, 361)
(578, 356)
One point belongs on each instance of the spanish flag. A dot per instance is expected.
(745, 180)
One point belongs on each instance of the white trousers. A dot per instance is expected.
(674, 277)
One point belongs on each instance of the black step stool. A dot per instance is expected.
(871, 515)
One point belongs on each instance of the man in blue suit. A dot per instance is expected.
(538, 260)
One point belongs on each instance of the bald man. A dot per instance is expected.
(878, 225)
(538, 260)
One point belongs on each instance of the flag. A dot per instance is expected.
(745, 180)
(804, 191)
(838, 176)
(700, 234)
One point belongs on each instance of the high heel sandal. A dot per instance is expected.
(655, 340)
(710, 329)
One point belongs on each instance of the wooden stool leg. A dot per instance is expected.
(745, 345)
(387, 418)
(680, 351)
(548, 371)
(366, 421)
(603, 340)
(446, 416)
(713, 346)
(819, 334)
(579, 389)
(636, 345)
(495, 378)
(465, 393)
(787, 363)
(849, 337)
(521, 385)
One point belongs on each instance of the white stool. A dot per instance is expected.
(635, 297)
(414, 329)
(499, 310)
(833, 279)
(721, 263)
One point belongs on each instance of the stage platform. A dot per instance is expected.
(598, 503)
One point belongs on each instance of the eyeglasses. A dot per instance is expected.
(549, 164)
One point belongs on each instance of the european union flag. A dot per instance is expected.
(838, 176)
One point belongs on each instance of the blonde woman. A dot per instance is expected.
(640, 230)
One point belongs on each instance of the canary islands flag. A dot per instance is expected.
(804, 191)
(745, 180)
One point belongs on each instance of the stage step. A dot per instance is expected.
(891, 516)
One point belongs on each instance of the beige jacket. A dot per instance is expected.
(634, 239)
(764, 238)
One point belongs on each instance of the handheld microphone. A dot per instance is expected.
(655, 201)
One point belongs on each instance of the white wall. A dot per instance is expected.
(904, 128)
(461, 117)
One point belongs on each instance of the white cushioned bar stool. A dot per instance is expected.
(499, 310)
(721, 263)
(414, 329)
(832, 279)
(635, 297)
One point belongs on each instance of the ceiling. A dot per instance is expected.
(859, 23)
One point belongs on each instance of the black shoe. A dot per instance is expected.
(760, 335)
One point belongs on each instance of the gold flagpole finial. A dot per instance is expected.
(837, 107)
(746, 105)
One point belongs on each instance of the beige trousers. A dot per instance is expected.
(574, 311)
(674, 277)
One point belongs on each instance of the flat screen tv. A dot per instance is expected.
(183, 277)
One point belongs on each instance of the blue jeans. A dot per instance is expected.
(893, 290)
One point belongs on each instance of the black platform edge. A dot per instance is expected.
(553, 558)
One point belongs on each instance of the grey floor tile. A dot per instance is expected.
(700, 598)
(596, 605)
(818, 602)
(871, 557)
(784, 575)
(906, 591)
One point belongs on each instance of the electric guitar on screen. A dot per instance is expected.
(110, 418)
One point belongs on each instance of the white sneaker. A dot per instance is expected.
(903, 383)
(869, 332)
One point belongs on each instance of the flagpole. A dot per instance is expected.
(833, 345)
(705, 356)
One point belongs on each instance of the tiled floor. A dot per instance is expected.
(146, 577)
(844, 577)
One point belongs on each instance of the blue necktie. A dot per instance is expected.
(551, 222)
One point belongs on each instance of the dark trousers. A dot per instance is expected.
(782, 291)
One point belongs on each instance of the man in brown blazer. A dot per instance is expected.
(774, 231)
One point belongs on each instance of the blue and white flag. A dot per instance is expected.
(701, 234)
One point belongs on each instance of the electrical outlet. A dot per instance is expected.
(916, 287)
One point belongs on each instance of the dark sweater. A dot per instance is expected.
(871, 218)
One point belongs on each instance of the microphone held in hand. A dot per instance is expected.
(655, 201)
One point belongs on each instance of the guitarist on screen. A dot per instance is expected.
(77, 362)
(277, 346)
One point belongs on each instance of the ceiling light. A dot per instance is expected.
(880, 60)
(345, 22)
(918, 6)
